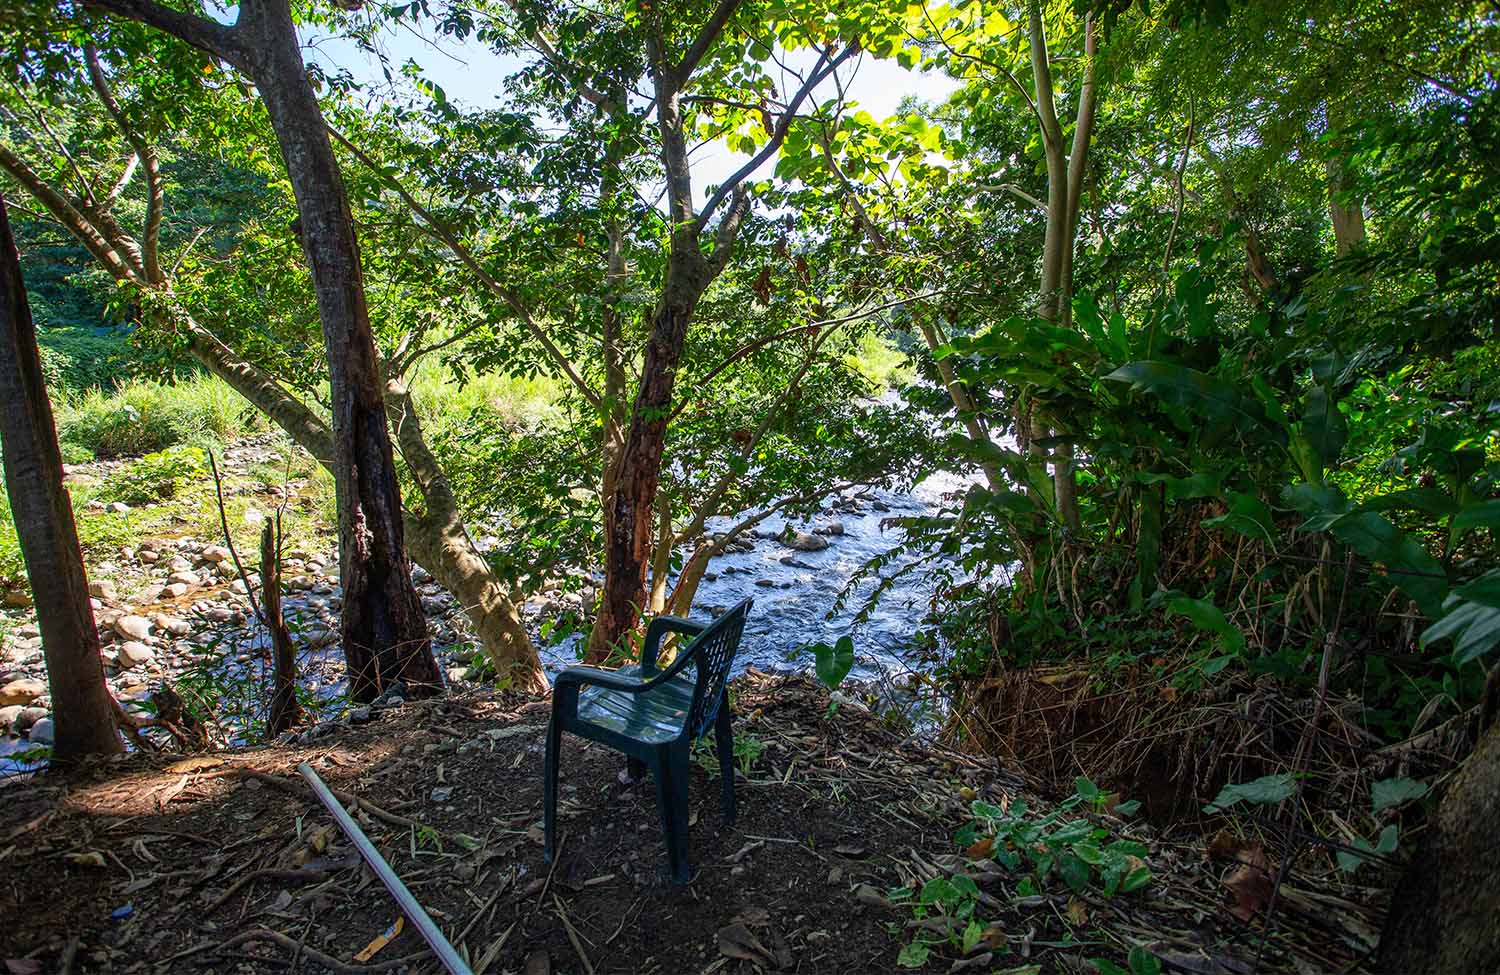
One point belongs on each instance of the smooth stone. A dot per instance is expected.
(215, 553)
(133, 627)
(765, 583)
(179, 564)
(22, 690)
(804, 542)
(16, 599)
(186, 577)
(172, 625)
(26, 717)
(134, 654)
(118, 507)
(103, 589)
(41, 732)
(832, 528)
(175, 590)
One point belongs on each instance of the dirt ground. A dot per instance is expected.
(226, 863)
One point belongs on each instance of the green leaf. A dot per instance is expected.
(1106, 967)
(832, 664)
(1192, 390)
(1393, 792)
(1410, 567)
(1323, 426)
(1247, 515)
(1264, 791)
(913, 955)
(1484, 514)
(1206, 616)
(1485, 590)
(1429, 501)
(1075, 872)
(1143, 962)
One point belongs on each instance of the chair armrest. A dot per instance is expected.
(660, 627)
(603, 678)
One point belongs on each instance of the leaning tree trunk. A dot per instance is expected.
(83, 713)
(1445, 913)
(384, 632)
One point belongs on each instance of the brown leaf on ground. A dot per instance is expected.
(1250, 881)
(978, 961)
(1077, 912)
(736, 941)
(981, 848)
(539, 963)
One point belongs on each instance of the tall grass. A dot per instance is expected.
(143, 416)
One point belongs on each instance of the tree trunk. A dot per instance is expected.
(285, 711)
(1443, 916)
(439, 540)
(384, 633)
(628, 525)
(83, 713)
(1348, 219)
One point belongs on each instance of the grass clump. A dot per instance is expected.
(144, 417)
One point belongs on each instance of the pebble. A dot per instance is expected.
(133, 627)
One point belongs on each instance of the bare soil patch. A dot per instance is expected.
(225, 863)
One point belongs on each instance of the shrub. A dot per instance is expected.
(144, 417)
(158, 476)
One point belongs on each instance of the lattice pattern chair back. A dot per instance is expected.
(714, 651)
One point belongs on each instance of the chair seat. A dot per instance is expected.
(655, 716)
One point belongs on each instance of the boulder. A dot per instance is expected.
(804, 541)
(8, 715)
(41, 732)
(832, 528)
(215, 554)
(22, 690)
(174, 590)
(103, 589)
(185, 577)
(133, 627)
(26, 717)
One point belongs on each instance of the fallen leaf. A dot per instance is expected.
(736, 941)
(1077, 912)
(381, 940)
(993, 937)
(23, 966)
(870, 897)
(977, 961)
(1250, 881)
(850, 849)
(981, 848)
(93, 858)
(539, 963)
(753, 916)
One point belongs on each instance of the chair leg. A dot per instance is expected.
(724, 738)
(671, 772)
(549, 790)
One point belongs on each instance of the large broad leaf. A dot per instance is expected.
(1482, 514)
(1471, 619)
(1266, 790)
(1410, 567)
(1393, 792)
(1315, 499)
(1323, 426)
(1429, 501)
(1192, 390)
(1201, 485)
(832, 664)
(1247, 515)
(1208, 617)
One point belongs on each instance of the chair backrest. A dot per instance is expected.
(713, 650)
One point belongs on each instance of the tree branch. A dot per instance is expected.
(439, 230)
(684, 69)
(206, 35)
(67, 212)
(151, 238)
(825, 67)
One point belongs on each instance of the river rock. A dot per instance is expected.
(174, 590)
(16, 599)
(8, 715)
(26, 717)
(172, 625)
(41, 732)
(220, 614)
(187, 577)
(804, 541)
(300, 583)
(103, 589)
(22, 690)
(832, 528)
(133, 653)
(215, 554)
(148, 556)
(118, 507)
(765, 583)
(133, 627)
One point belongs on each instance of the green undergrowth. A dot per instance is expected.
(144, 416)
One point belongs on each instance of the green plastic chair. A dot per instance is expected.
(653, 717)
